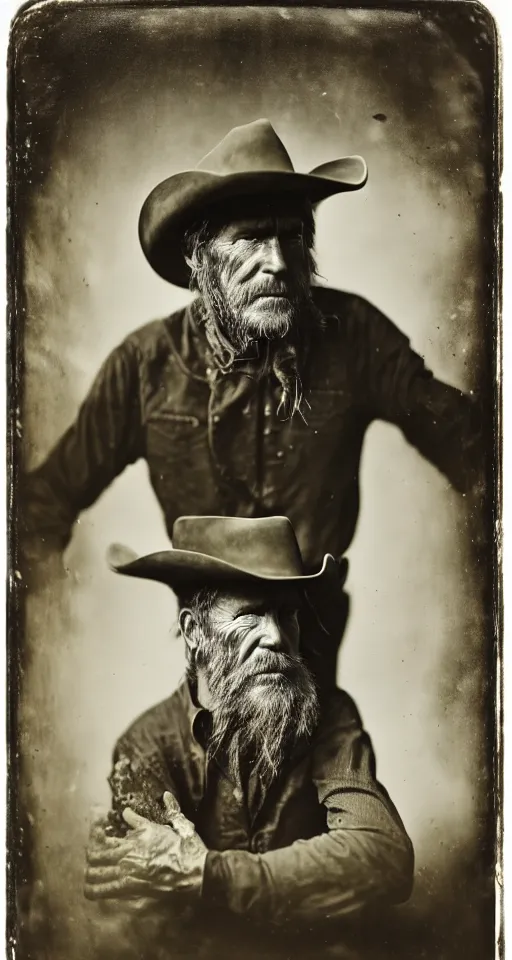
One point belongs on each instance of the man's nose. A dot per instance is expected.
(272, 638)
(274, 262)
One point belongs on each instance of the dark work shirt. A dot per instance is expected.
(216, 444)
(325, 840)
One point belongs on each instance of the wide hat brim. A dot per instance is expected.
(184, 569)
(177, 202)
(178, 568)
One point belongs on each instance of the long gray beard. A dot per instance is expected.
(260, 723)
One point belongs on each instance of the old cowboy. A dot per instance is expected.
(246, 805)
(255, 399)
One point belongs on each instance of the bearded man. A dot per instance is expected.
(255, 399)
(246, 805)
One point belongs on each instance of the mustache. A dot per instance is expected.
(261, 655)
(269, 661)
(223, 670)
(294, 291)
(270, 290)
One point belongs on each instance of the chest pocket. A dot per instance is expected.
(169, 423)
(178, 457)
(173, 436)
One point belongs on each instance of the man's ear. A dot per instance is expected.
(190, 628)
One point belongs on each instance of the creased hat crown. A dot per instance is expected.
(266, 547)
(253, 147)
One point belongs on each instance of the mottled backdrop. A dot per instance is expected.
(106, 102)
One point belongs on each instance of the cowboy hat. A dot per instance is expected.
(216, 550)
(250, 160)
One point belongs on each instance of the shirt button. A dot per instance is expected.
(208, 371)
(279, 454)
(216, 418)
(266, 431)
(268, 409)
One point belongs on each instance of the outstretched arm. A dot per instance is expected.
(105, 438)
(442, 422)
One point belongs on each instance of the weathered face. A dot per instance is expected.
(263, 270)
(262, 696)
(253, 268)
(260, 628)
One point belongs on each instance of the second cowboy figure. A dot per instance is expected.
(246, 818)
(255, 399)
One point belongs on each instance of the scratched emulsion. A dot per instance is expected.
(107, 104)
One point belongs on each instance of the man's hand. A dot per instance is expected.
(151, 861)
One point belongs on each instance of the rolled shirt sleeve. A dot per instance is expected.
(103, 440)
(365, 857)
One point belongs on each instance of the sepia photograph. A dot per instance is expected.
(255, 610)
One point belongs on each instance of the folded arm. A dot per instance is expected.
(328, 876)
(364, 857)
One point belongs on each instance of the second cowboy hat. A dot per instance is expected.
(216, 550)
(250, 160)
